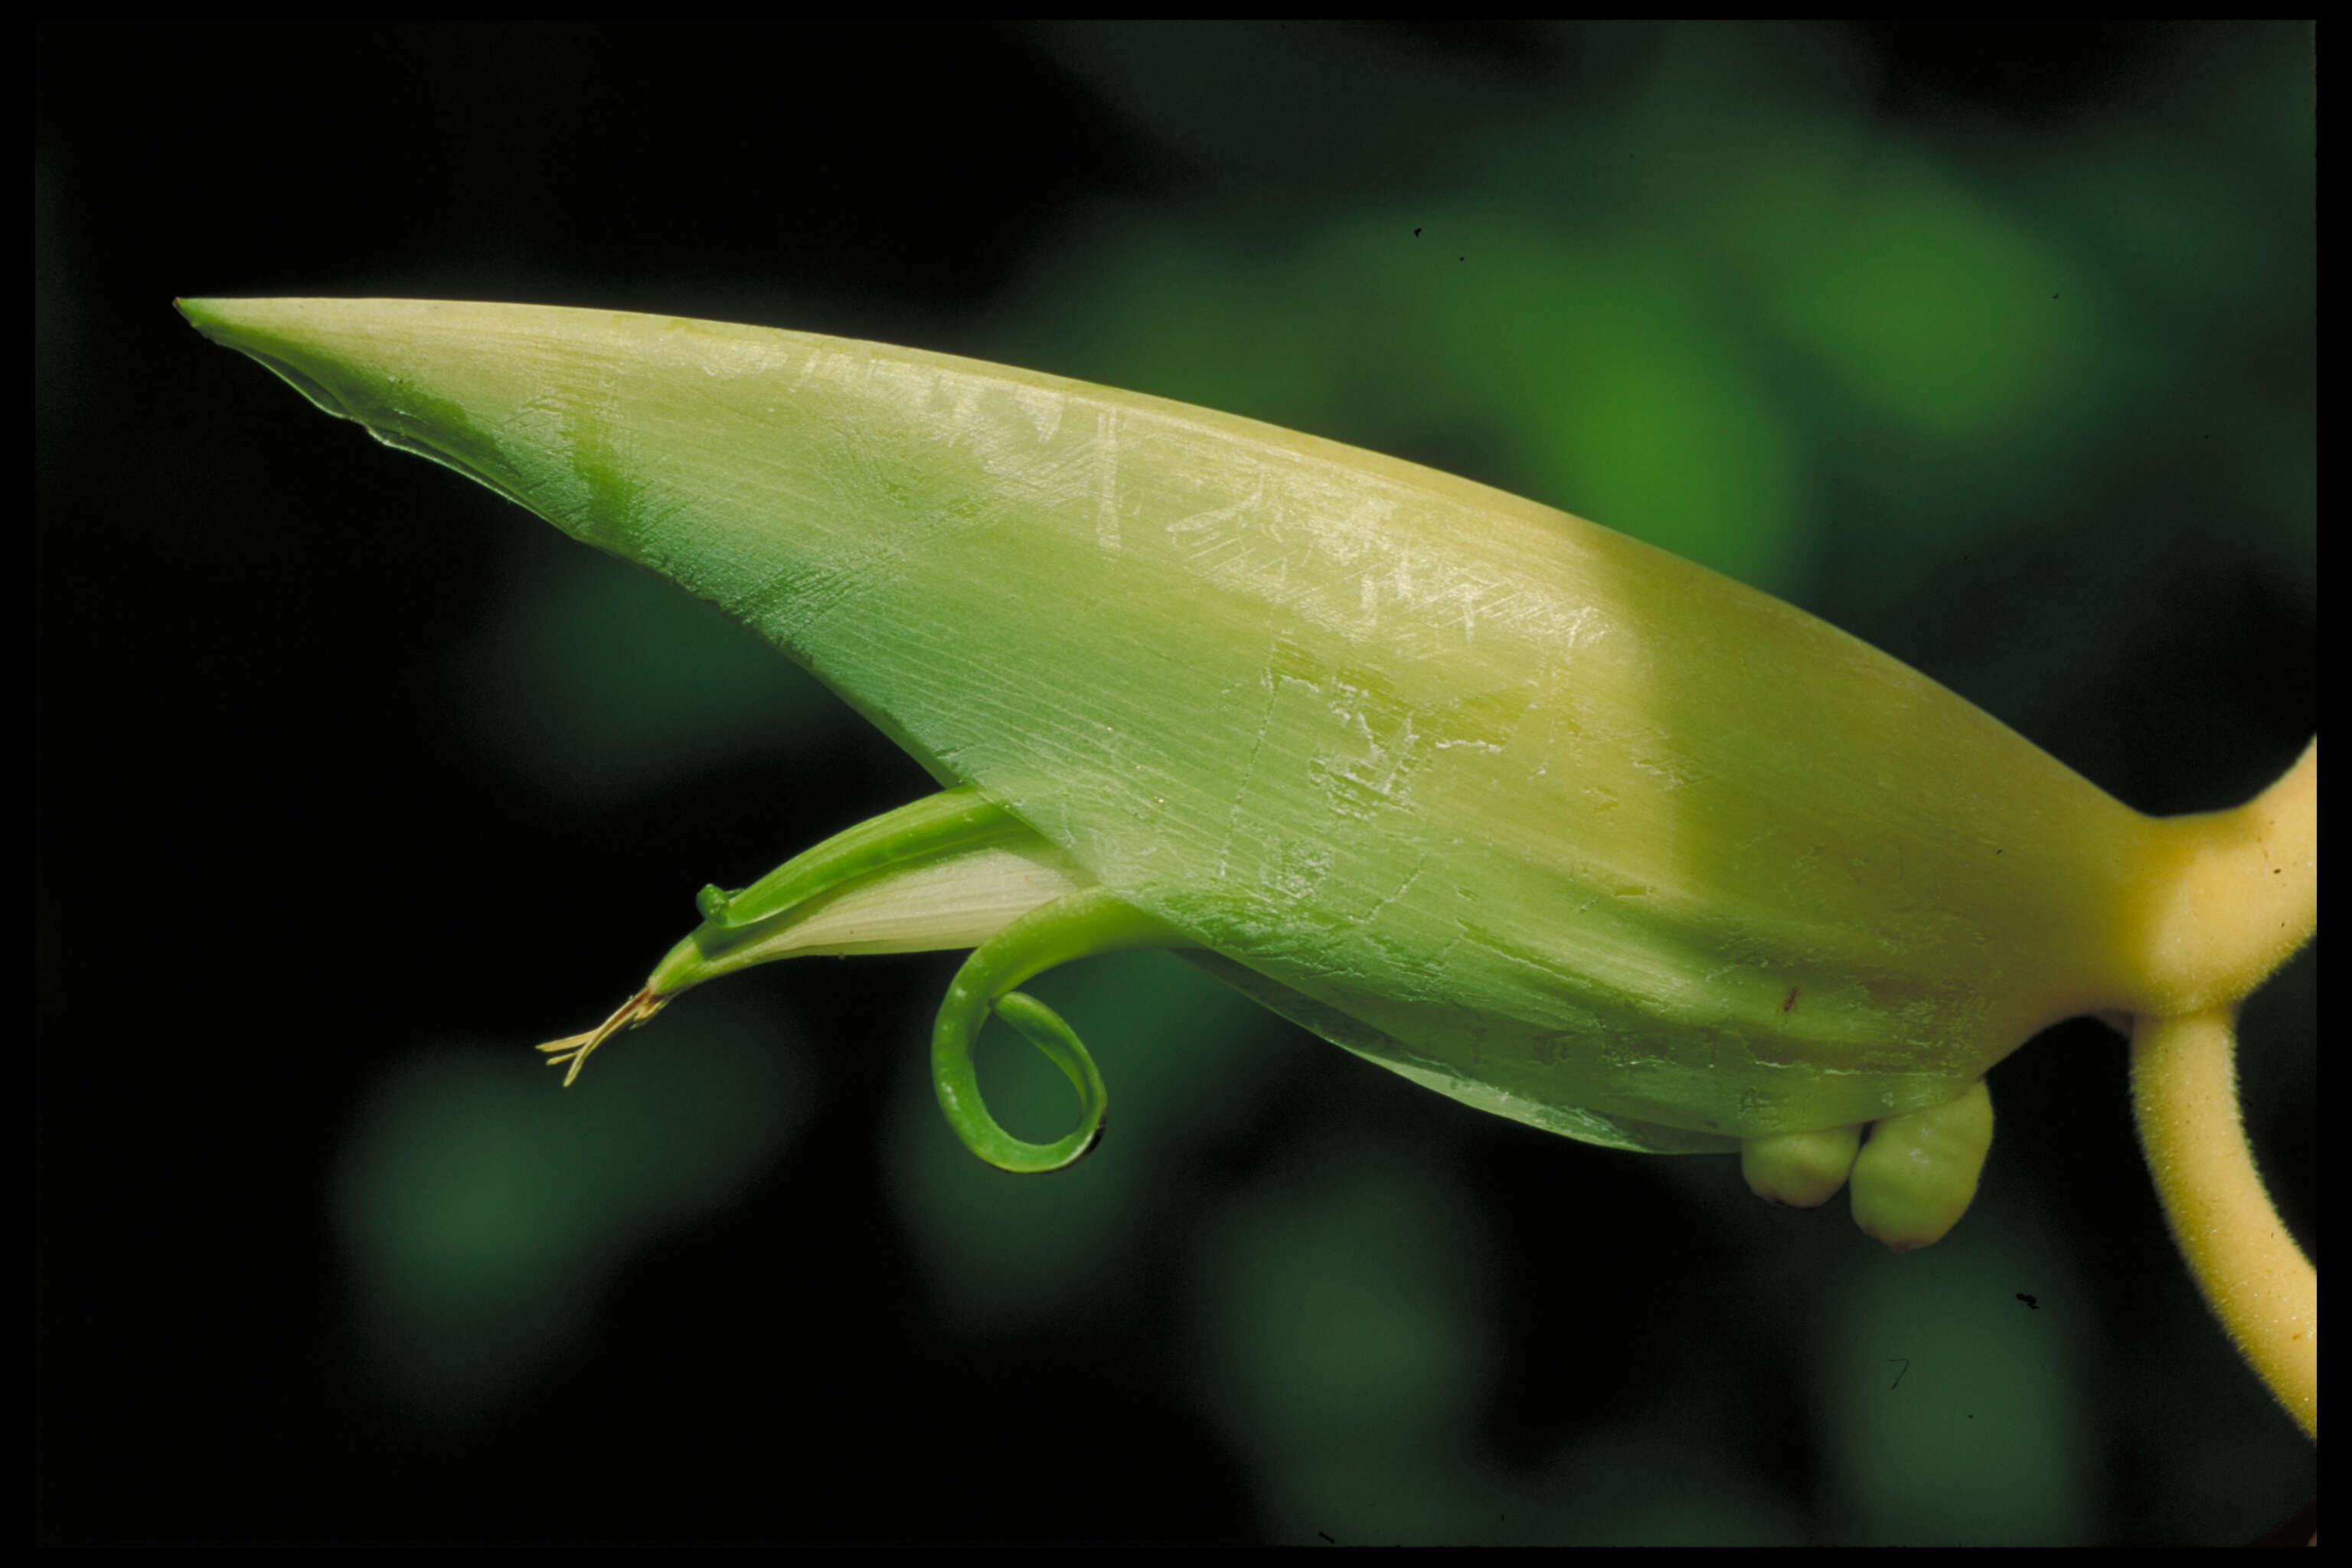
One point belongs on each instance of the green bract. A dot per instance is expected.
(1527, 811)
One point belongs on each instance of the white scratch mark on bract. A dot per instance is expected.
(1044, 409)
(1107, 482)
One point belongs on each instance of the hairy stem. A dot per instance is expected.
(2244, 897)
(2257, 1281)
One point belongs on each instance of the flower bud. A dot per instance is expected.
(1527, 811)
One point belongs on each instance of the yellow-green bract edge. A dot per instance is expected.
(1527, 811)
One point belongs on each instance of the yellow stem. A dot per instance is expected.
(2254, 1277)
(2243, 897)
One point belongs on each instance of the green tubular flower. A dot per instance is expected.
(1525, 810)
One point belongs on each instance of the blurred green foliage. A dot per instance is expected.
(483, 1216)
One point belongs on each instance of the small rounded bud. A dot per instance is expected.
(1916, 1175)
(1802, 1170)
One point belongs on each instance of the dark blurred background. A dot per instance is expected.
(1994, 345)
